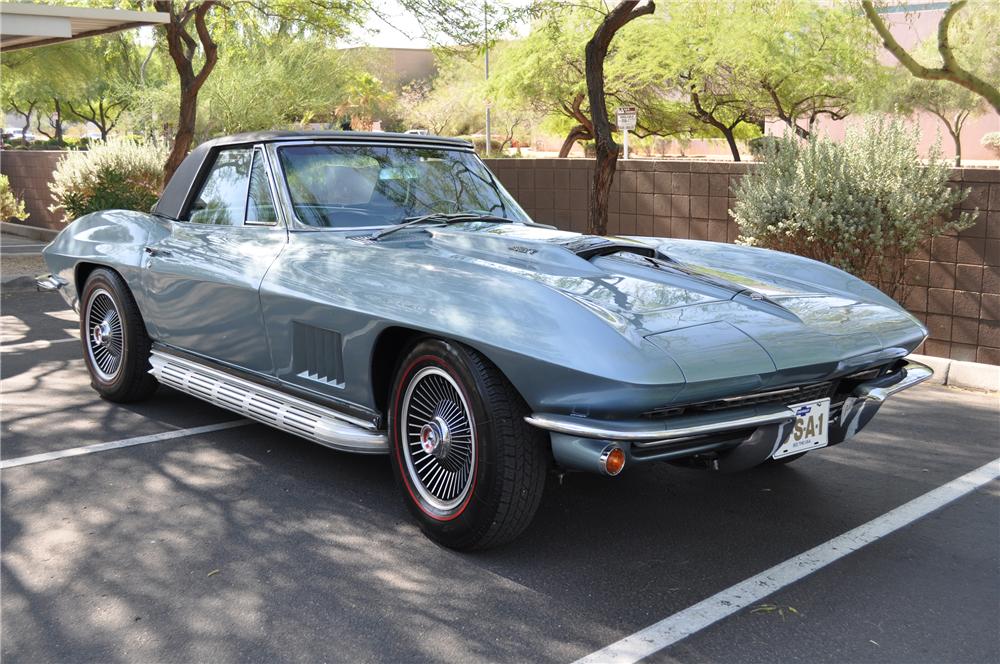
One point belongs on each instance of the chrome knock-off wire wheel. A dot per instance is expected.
(440, 440)
(105, 336)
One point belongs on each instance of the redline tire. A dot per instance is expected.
(471, 470)
(115, 344)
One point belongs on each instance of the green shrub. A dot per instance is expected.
(11, 207)
(759, 146)
(119, 174)
(991, 141)
(863, 205)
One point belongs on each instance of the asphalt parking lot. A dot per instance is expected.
(245, 544)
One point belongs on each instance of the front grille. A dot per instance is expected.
(789, 396)
(837, 390)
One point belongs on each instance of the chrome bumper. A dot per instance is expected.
(867, 398)
(642, 432)
(575, 440)
(49, 282)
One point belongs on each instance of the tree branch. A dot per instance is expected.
(950, 70)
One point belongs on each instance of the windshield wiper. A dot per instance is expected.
(440, 217)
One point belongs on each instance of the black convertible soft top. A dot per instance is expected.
(175, 194)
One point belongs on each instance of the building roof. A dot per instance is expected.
(24, 25)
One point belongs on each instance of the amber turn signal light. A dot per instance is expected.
(613, 459)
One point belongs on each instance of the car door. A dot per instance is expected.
(201, 281)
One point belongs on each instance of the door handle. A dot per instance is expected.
(152, 251)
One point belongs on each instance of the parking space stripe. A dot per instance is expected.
(736, 598)
(116, 444)
(34, 345)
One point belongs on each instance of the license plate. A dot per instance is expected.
(812, 420)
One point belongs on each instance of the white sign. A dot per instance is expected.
(625, 117)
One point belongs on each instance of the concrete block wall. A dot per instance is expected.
(954, 282)
(30, 172)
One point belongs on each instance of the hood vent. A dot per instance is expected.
(592, 246)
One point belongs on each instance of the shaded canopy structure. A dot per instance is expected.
(24, 25)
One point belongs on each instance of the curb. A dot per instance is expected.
(30, 232)
(966, 375)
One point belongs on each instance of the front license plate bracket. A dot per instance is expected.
(810, 430)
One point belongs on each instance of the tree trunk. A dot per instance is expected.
(58, 125)
(577, 133)
(957, 137)
(731, 139)
(184, 136)
(607, 150)
(181, 46)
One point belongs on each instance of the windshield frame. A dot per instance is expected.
(293, 223)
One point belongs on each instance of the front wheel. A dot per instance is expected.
(472, 470)
(115, 344)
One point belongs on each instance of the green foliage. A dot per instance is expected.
(991, 141)
(11, 207)
(304, 81)
(119, 174)
(863, 205)
(697, 67)
(951, 104)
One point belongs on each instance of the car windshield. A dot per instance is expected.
(339, 186)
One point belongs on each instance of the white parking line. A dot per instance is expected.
(34, 345)
(128, 442)
(724, 604)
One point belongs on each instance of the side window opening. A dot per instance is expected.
(260, 204)
(223, 197)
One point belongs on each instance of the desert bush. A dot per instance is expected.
(760, 145)
(864, 204)
(11, 207)
(119, 174)
(991, 141)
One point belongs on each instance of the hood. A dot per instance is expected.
(776, 309)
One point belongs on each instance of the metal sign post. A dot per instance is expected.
(625, 118)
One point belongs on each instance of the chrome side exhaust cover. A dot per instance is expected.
(268, 406)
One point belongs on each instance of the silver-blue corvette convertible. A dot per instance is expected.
(383, 294)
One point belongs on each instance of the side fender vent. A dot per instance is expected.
(317, 354)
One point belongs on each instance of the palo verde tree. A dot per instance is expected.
(108, 70)
(595, 53)
(738, 64)
(195, 28)
(950, 104)
(966, 41)
(545, 73)
(810, 59)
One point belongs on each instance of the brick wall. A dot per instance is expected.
(30, 172)
(954, 282)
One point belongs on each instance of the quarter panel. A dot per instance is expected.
(113, 238)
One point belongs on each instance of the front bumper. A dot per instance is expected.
(54, 283)
(734, 439)
(49, 282)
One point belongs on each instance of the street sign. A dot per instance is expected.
(625, 117)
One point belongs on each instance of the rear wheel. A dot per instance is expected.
(472, 470)
(115, 344)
